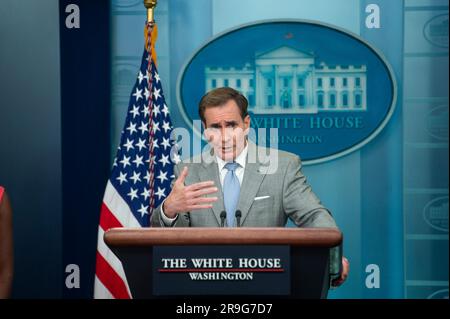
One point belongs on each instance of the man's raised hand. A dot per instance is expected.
(188, 198)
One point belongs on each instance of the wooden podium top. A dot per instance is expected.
(317, 237)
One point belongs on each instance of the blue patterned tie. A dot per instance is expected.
(231, 189)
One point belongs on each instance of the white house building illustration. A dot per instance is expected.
(286, 80)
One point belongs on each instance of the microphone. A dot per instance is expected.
(238, 218)
(223, 216)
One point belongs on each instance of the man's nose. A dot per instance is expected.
(227, 134)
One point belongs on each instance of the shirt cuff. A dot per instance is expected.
(167, 220)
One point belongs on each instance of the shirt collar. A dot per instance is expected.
(240, 159)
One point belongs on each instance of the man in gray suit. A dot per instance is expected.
(237, 183)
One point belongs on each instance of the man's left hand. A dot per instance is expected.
(345, 269)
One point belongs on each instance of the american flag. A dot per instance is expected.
(141, 175)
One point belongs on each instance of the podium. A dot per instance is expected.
(293, 263)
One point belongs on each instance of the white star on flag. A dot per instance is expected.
(128, 144)
(155, 144)
(140, 77)
(139, 160)
(138, 94)
(143, 128)
(155, 127)
(175, 158)
(156, 93)
(132, 193)
(125, 161)
(145, 193)
(165, 143)
(166, 126)
(160, 193)
(143, 210)
(156, 110)
(165, 110)
(135, 111)
(146, 94)
(136, 177)
(164, 160)
(145, 110)
(141, 144)
(147, 176)
(122, 178)
(162, 176)
(132, 128)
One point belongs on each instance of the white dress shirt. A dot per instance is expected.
(240, 159)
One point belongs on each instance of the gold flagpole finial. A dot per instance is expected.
(150, 5)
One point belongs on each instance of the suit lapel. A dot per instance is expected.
(253, 178)
(211, 172)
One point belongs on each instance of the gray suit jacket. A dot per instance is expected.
(289, 195)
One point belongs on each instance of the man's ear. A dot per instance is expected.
(247, 123)
(204, 131)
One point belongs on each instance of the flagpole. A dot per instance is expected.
(150, 5)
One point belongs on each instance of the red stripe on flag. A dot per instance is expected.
(107, 219)
(110, 279)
